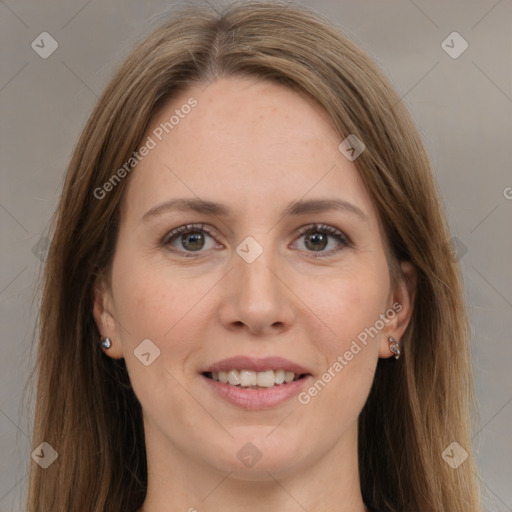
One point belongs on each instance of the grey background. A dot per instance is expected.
(462, 107)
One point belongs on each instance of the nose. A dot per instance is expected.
(256, 298)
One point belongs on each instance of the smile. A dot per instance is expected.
(254, 380)
(257, 397)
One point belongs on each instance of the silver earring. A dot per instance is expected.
(394, 346)
(106, 343)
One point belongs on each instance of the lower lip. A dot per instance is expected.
(254, 399)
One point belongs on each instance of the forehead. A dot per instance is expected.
(249, 143)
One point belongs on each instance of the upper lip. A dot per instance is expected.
(257, 364)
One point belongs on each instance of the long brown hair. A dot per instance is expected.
(85, 407)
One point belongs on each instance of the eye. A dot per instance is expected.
(194, 237)
(191, 238)
(317, 239)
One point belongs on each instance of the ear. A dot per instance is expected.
(401, 303)
(103, 312)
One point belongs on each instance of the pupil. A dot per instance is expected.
(315, 238)
(197, 240)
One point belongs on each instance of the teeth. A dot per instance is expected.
(234, 377)
(279, 376)
(266, 379)
(248, 378)
(288, 376)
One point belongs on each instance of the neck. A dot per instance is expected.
(179, 482)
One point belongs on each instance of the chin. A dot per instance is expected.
(253, 457)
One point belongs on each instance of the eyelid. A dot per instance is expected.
(331, 231)
(325, 228)
(343, 239)
(186, 228)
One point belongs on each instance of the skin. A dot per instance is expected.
(255, 147)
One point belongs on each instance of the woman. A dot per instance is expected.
(250, 300)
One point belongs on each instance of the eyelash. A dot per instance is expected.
(312, 228)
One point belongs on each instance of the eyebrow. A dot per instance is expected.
(295, 208)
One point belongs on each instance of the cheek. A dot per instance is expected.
(151, 306)
(337, 395)
(150, 300)
(147, 307)
(162, 306)
(349, 304)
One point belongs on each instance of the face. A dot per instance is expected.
(248, 242)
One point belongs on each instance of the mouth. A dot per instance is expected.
(256, 383)
(249, 379)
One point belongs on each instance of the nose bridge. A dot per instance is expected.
(256, 296)
(256, 268)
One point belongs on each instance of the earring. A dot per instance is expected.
(106, 343)
(394, 346)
